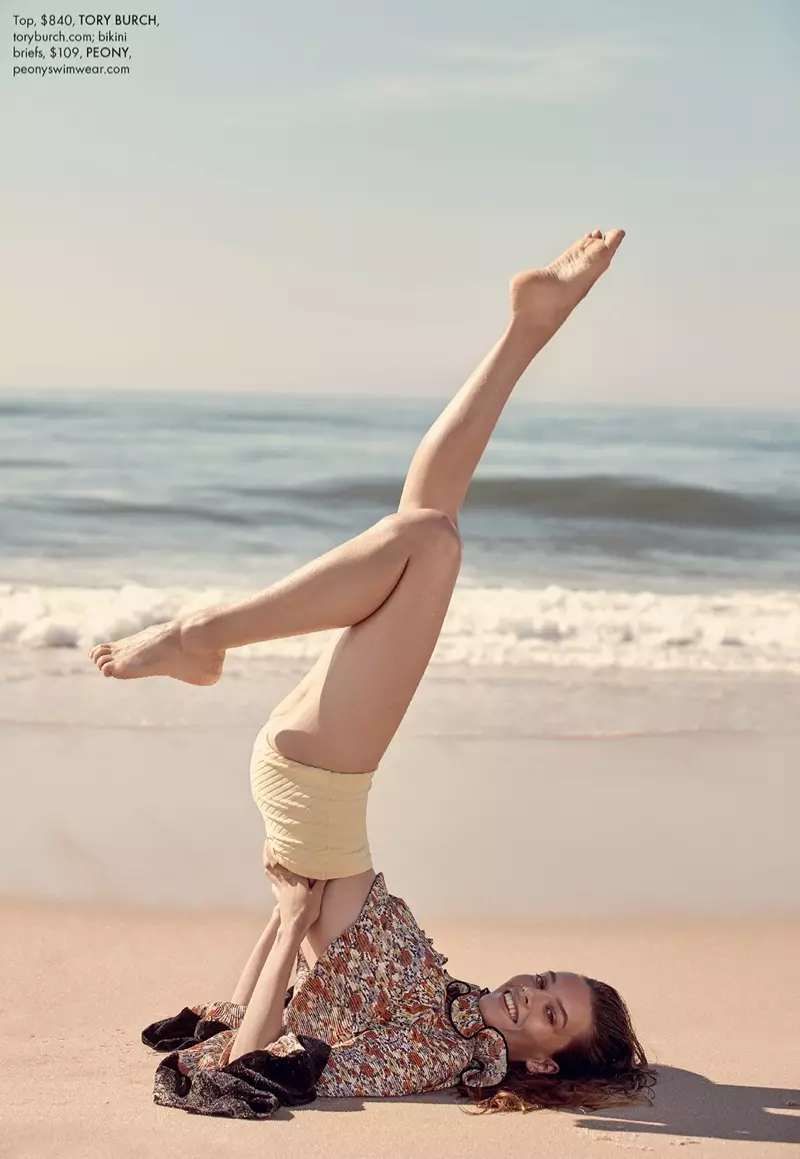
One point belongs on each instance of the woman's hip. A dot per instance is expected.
(315, 818)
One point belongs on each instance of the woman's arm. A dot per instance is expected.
(299, 905)
(255, 963)
(263, 1018)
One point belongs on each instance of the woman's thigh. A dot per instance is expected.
(362, 687)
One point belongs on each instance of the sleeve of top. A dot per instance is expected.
(393, 1060)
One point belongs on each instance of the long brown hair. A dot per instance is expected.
(609, 1069)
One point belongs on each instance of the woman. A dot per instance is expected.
(373, 1011)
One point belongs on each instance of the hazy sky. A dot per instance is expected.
(332, 196)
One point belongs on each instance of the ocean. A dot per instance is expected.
(619, 660)
(596, 537)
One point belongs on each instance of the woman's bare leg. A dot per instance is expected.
(361, 688)
(393, 584)
(340, 588)
(542, 300)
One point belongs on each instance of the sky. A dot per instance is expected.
(318, 197)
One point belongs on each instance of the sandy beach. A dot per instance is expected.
(660, 858)
(81, 982)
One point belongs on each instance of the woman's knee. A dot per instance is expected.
(427, 528)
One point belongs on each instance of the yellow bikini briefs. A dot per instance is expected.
(316, 820)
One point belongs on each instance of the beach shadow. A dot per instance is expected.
(687, 1105)
(695, 1107)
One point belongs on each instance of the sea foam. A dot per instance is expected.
(497, 627)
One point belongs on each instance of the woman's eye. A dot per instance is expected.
(540, 981)
(551, 1015)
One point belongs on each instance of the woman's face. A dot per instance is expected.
(539, 1015)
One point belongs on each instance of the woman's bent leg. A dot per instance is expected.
(336, 590)
(360, 694)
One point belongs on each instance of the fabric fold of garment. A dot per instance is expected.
(252, 1087)
(181, 1031)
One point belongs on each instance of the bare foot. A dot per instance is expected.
(158, 651)
(545, 298)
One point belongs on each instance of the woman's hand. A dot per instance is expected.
(299, 901)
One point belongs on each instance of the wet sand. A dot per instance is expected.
(497, 798)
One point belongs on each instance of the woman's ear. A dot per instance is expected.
(541, 1066)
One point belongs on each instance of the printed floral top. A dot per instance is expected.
(396, 1022)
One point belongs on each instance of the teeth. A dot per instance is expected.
(511, 1005)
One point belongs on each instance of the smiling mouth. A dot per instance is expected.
(511, 1006)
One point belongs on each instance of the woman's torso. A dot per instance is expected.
(381, 968)
(380, 997)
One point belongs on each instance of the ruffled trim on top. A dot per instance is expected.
(489, 1063)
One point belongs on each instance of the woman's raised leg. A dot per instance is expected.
(541, 301)
(361, 689)
(391, 586)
